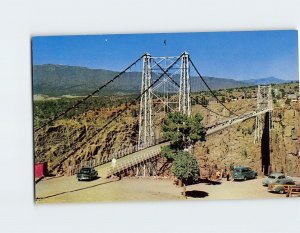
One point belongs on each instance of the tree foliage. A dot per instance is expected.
(182, 130)
(223, 99)
(282, 92)
(204, 101)
(185, 167)
(168, 153)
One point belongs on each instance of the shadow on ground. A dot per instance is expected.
(75, 190)
(96, 178)
(196, 194)
(207, 182)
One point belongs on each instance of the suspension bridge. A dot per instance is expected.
(168, 84)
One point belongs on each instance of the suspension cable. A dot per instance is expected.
(211, 89)
(88, 96)
(97, 131)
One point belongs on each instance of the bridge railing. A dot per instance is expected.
(232, 120)
(123, 166)
(95, 162)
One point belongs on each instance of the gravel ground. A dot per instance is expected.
(224, 190)
(69, 190)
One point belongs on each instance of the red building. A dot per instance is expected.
(40, 170)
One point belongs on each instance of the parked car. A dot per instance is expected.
(281, 186)
(87, 173)
(293, 191)
(273, 177)
(243, 173)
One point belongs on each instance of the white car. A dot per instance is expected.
(273, 177)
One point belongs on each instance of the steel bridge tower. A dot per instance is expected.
(185, 86)
(146, 127)
(166, 94)
(264, 102)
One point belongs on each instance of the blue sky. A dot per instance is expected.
(238, 55)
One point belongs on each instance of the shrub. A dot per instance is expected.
(185, 167)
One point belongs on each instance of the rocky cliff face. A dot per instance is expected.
(236, 146)
(285, 139)
(55, 143)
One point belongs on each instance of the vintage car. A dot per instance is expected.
(243, 173)
(281, 186)
(87, 173)
(273, 177)
(293, 191)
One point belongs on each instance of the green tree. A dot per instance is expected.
(182, 130)
(223, 99)
(185, 167)
(282, 92)
(134, 113)
(204, 101)
(196, 130)
(194, 101)
(168, 153)
(273, 93)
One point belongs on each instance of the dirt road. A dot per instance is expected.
(69, 190)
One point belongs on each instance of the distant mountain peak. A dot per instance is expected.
(266, 81)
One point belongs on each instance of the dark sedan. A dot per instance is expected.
(243, 173)
(87, 173)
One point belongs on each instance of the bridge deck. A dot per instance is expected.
(105, 170)
(235, 120)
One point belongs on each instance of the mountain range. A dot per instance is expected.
(58, 80)
(266, 81)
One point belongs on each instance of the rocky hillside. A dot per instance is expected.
(55, 143)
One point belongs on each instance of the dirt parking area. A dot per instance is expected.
(69, 190)
(224, 190)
